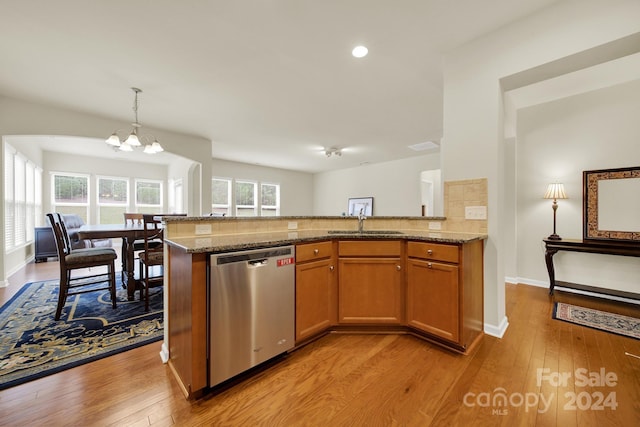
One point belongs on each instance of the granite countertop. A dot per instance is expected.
(279, 218)
(236, 242)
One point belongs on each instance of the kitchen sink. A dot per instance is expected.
(364, 232)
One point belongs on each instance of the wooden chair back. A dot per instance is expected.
(133, 219)
(152, 255)
(63, 243)
(153, 234)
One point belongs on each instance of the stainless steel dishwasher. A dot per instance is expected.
(252, 309)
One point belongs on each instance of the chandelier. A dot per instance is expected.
(151, 144)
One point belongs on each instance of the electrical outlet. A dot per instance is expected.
(293, 225)
(434, 225)
(203, 229)
(475, 212)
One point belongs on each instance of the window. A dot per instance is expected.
(70, 194)
(176, 196)
(33, 198)
(23, 199)
(113, 199)
(246, 200)
(221, 196)
(269, 200)
(148, 196)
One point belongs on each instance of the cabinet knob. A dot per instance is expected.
(429, 252)
(331, 267)
(429, 265)
(316, 251)
(398, 267)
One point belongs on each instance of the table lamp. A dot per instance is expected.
(555, 191)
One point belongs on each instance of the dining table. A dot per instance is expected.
(128, 233)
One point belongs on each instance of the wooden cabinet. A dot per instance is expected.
(370, 284)
(186, 280)
(316, 297)
(445, 292)
(44, 243)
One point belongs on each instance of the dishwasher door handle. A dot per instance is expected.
(258, 262)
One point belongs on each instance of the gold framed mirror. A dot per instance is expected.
(611, 204)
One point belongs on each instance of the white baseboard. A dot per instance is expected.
(499, 330)
(4, 283)
(530, 282)
(164, 352)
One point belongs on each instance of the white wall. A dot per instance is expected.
(432, 196)
(394, 186)
(473, 144)
(296, 188)
(557, 141)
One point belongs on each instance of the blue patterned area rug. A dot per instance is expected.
(596, 319)
(34, 345)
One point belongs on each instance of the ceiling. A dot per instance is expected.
(269, 82)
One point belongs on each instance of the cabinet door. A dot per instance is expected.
(370, 291)
(433, 298)
(315, 298)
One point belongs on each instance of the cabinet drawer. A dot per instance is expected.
(312, 251)
(433, 251)
(369, 248)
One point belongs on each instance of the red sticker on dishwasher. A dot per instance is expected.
(285, 261)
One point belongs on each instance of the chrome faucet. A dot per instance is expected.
(361, 219)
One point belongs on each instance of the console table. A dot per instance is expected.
(588, 246)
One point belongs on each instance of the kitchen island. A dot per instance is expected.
(396, 277)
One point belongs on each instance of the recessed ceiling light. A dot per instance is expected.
(360, 51)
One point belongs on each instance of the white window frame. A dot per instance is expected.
(54, 205)
(176, 196)
(230, 200)
(276, 207)
(256, 201)
(146, 207)
(124, 205)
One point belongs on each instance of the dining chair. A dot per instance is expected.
(132, 220)
(152, 255)
(76, 259)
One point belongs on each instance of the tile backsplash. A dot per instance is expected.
(459, 195)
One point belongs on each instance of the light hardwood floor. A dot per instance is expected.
(360, 380)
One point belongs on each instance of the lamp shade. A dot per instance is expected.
(133, 140)
(555, 191)
(113, 140)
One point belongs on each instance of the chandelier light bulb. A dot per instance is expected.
(359, 51)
